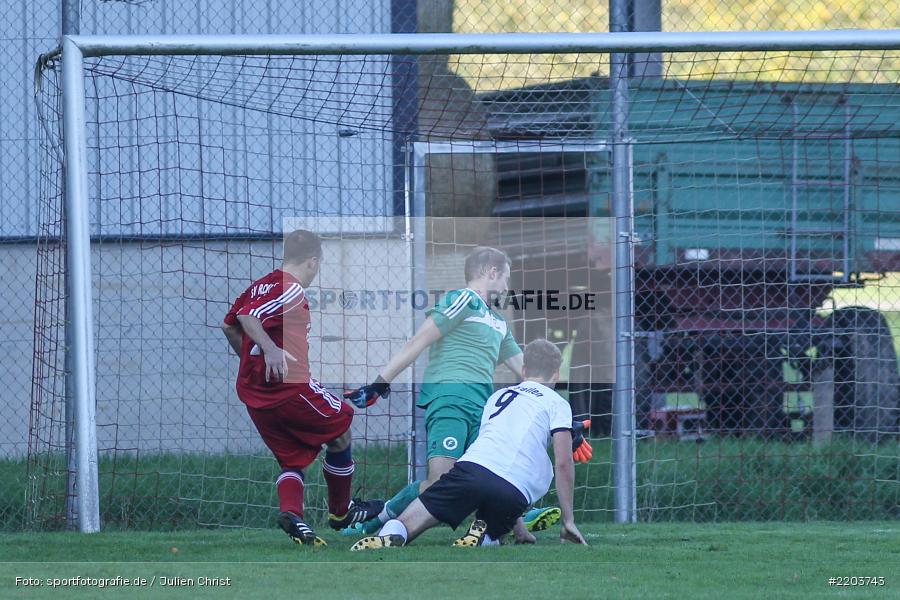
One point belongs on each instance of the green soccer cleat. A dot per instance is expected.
(473, 537)
(369, 527)
(298, 530)
(374, 542)
(539, 519)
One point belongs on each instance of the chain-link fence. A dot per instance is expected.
(28, 29)
(754, 204)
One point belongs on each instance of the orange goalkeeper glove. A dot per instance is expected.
(584, 453)
(581, 448)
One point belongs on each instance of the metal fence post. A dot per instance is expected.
(623, 419)
(79, 326)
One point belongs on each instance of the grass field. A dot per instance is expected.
(683, 561)
(723, 479)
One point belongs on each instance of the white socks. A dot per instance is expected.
(394, 527)
(387, 514)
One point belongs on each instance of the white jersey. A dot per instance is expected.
(515, 429)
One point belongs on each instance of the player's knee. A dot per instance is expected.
(435, 472)
(339, 443)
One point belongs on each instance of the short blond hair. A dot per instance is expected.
(483, 258)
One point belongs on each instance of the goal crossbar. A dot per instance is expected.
(481, 43)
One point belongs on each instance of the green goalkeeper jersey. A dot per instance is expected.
(474, 340)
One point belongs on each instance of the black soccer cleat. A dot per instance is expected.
(358, 512)
(298, 530)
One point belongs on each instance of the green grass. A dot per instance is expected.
(723, 479)
(637, 561)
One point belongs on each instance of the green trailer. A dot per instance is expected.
(753, 202)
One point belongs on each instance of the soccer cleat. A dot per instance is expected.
(474, 536)
(359, 511)
(298, 530)
(539, 519)
(369, 527)
(374, 542)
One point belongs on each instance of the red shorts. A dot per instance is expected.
(295, 430)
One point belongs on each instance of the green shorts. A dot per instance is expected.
(450, 428)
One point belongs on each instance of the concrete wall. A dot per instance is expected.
(17, 270)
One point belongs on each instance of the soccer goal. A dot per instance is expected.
(741, 205)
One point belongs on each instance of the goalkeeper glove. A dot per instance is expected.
(367, 395)
(581, 448)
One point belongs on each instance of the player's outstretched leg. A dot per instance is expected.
(298, 530)
(539, 519)
(474, 536)
(391, 510)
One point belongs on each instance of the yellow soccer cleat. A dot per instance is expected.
(374, 542)
(473, 537)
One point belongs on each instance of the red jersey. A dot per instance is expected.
(279, 302)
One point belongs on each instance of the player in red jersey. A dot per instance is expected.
(268, 327)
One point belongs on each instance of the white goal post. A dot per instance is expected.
(75, 49)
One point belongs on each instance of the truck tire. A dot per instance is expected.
(742, 391)
(866, 378)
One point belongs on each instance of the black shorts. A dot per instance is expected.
(468, 488)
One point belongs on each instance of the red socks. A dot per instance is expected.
(290, 492)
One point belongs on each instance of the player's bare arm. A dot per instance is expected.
(427, 334)
(234, 334)
(521, 533)
(276, 358)
(514, 364)
(565, 486)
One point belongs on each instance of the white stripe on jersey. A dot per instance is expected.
(292, 292)
(458, 305)
(295, 305)
(257, 310)
(498, 325)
